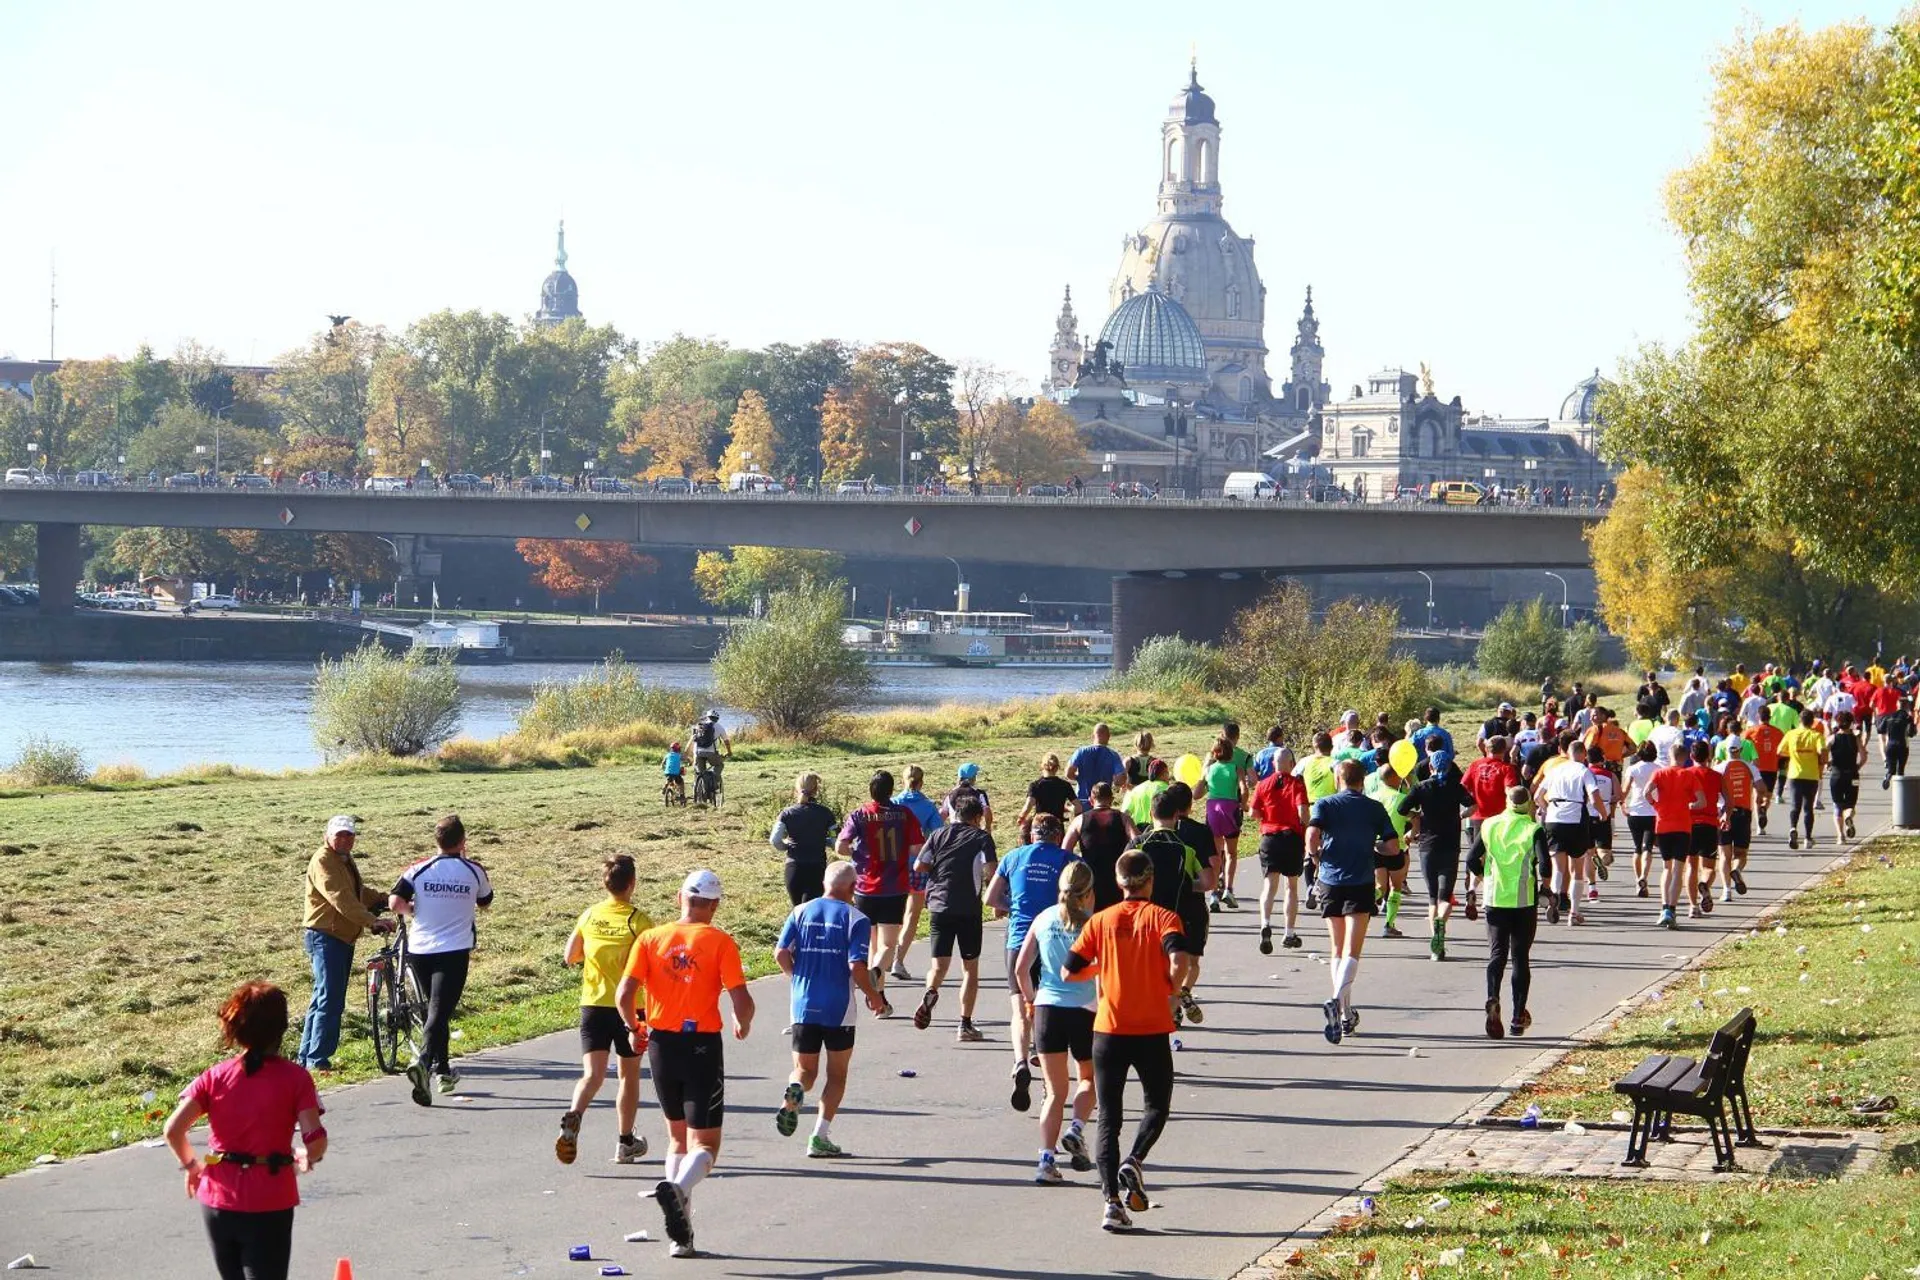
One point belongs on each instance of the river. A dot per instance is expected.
(164, 716)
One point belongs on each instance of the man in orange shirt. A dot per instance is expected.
(1765, 738)
(1138, 951)
(683, 967)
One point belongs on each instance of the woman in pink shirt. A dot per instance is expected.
(253, 1102)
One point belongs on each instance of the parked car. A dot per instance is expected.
(609, 484)
(251, 480)
(132, 600)
(26, 476)
(753, 482)
(673, 484)
(1456, 493)
(862, 487)
(15, 598)
(96, 479)
(1047, 491)
(386, 484)
(324, 480)
(544, 484)
(183, 480)
(221, 604)
(466, 482)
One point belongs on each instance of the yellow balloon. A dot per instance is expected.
(1189, 770)
(1403, 756)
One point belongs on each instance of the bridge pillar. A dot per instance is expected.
(1196, 606)
(57, 559)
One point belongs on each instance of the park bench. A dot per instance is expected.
(1663, 1086)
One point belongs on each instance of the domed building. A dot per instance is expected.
(1153, 340)
(559, 295)
(1582, 405)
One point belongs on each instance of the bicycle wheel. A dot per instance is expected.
(380, 1018)
(411, 1015)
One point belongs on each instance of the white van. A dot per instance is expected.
(1249, 486)
(752, 482)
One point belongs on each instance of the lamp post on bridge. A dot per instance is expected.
(1563, 596)
(1429, 577)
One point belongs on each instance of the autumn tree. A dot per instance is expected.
(673, 438)
(405, 418)
(323, 387)
(736, 578)
(1033, 444)
(750, 444)
(850, 448)
(572, 568)
(1658, 611)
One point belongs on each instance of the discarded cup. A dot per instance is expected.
(613, 1269)
(1530, 1119)
(1671, 1024)
(24, 1262)
(1414, 1224)
(1414, 1052)
(580, 1253)
(1453, 1257)
(1177, 1046)
(1574, 1127)
(1621, 1117)
(1439, 1203)
(1367, 1205)
(638, 1237)
(908, 1073)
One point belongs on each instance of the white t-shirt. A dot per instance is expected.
(1639, 775)
(446, 891)
(1754, 709)
(1566, 792)
(1527, 740)
(1603, 786)
(1840, 701)
(1822, 690)
(1663, 739)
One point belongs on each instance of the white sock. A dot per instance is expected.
(1340, 975)
(1346, 983)
(1559, 880)
(693, 1167)
(822, 1125)
(673, 1165)
(1579, 892)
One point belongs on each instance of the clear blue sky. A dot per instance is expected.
(1473, 185)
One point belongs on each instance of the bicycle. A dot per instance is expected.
(706, 787)
(673, 793)
(396, 1007)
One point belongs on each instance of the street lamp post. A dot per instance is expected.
(1429, 577)
(1563, 596)
(960, 593)
(906, 412)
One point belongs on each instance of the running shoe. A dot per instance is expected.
(1566, 903)
(1600, 866)
(1522, 1020)
(1437, 946)
(673, 1209)
(1763, 819)
(567, 1145)
(1114, 1217)
(417, 1077)
(886, 1007)
(1213, 903)
(1292, 940)
(899, 971)
(1666, 919)
(1133, 1187)
(1643, 888)
(1266, 939)
(1191, 1007)
(1851, 833)
(1706, 899)
(1553, 908)
(1810, 840)
(1179, 1018)
(786, 1118)
(1332, 1031)
(1075, 1145)
(1885, 783)
(1517, 1028)
(447, 1081)
(1726, 893)
(1232, 903)
(819, 1148)
(923, 1016)
(1793, 839)
(1350, 1023)
(686, 1250)
(630, 1150)
(1575, 917)
(1391, 931)
(1739, 881)
(1022, 1086)
(1593, 893)
(969, 1034)
(1693, 912)
(1047, 1173)
(1494, 1029)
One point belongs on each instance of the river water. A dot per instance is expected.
(164, 716)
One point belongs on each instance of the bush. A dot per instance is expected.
(1582, 651)
(611, 695)
(42, 762)
(1300, 672)
(1168, 664)
(789, 668)
(109, 775)
(1524, 643)
(372, 702)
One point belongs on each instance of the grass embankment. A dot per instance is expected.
(128, 912)
(1852, 1028)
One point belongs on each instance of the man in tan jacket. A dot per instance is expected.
(339, 909)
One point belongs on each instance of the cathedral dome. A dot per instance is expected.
(559, 296)
(1193, 106)
(1583, 402)
(1155, 340)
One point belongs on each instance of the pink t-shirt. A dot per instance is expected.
(255, 1114)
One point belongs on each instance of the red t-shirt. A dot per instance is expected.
(1673, 807)
(1706, 812)
(255, 1115)
(1738, 786)
(1886, 700)
(1487, 780)
(884, 838)
(1277, 802)
(1766, 745)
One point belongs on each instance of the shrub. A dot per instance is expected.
(373, 702)
(1300, 673)
(1169, 664)
(43, 762)
(789, 668)
(1524, 643)
(117, 774)
(611, 695)
(1582, 651)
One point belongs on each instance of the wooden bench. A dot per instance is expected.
(1664, 1085)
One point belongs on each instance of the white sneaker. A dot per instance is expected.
(447, 1081)
(1115, 1218)
(683, 1251)
(630, 1151)
(1047, 1172)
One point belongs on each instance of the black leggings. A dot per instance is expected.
(806, 881)
(1510, 933)
(442, 978)
(1440, 871)
(1896, 754)
(1641, 829)
(1150, 1058)
(1804, 792)
(250, 1246)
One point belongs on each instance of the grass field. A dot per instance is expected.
(1851, 1028)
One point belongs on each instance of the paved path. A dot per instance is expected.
(1270, 1124)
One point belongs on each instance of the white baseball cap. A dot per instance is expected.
(702, 884)
(341, 822)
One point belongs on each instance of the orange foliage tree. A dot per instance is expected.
(571, 568)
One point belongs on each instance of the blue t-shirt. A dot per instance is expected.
(673, 766)
(1095, 763)
(916, 803)
(827, 937)
(1349, 824)
(1054, 937)
(1263, 761)
(1445, 754)
(1032, 873)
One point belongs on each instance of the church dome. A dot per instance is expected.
(559, 296)
(1193, 106)
(1155, 340)
(1583, 402)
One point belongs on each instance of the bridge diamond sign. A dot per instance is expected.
(913, 527)
(286, 515)
(583, 523)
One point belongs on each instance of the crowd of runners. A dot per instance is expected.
(1118, 865)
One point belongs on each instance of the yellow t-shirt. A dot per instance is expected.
(1740, 680)
(1801, 748)
(1876, 675)
(607, 931)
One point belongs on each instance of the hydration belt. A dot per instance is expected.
(246, 1160)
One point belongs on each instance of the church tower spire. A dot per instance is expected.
(560, 254)
(559, 295)
(1067, 352)
(1190, 152)
(1306, 390)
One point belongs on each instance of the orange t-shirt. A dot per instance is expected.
(1739, 785)
(1611, 740)
(1128, 941)
(684, 968)
(1766, 745)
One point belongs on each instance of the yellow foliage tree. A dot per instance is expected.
(405, 421)
(1040, 444)
(673, 438)
(1659, 612)
(850, 444)
(749, 437)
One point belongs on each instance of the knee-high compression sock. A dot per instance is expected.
(1340, 981)
(1393, 906)
(1579, 895)
(693, 1167)
(1352, 964)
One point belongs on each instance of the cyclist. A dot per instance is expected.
(601, 941)
(339, 907)
(674, 767)
(443, 893)
(709, 741)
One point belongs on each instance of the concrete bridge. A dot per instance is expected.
(1182, 566)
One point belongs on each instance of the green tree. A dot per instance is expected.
(789, 669)
(1526, 643)
(148, 384)
(170, 444)
(372, 702)
(18, 549)
(795, 381)
(737, 578)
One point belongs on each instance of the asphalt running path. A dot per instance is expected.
(1270, 1123)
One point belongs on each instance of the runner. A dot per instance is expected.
(1672, 791)
(955, 862)
(1389, 789)
(1488, 779)
(1431, 728)
(442, 893)
(1063, 1014)
(1640, 813)
(1141, 798)
(801, 833)
(1193, 906)
(1896, 728)
(1502, 724)
(1341, 835)
(967, 783)
(1138, 953)
(1506, 851)
(882, 839)
(601, 942)
(1766, 762)
(931, 819)
(1100, 835)
(1023, 886)
(1845, 756)
(1739, 787)
(1570, 801)
(1437, 804)
(1280, 806)
(1263, 758)
(1600, 824)
(1706, 830)
(823, 950)
(1317, 772)
(1048, 793)
(1805, 752)
(1096, 762)
(1139, 767)
(683, 967)
(1243, 773)
(1226, 785)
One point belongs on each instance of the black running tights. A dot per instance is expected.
(1896, 754)
(1641, 829)
(251, 1246)
(1804, 792)
(1510, 936)
(1150, 1058)
(442, 977)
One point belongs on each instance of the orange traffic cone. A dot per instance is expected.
(343, 1270)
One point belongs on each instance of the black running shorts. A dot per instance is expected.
(1389, 862)
(1033, 970)
(1346, 900)
(810, 1038)
(956, 928)
(1058, 1029)
(601, 1031)
(1738, 833)
(1283, 853)
(1706, 839)
(689, 1076)
(888, 909)
(1845, 790)
(1674, 846)
(1195, 922)
(1568, 837)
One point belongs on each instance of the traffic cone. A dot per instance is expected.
(343, 1269)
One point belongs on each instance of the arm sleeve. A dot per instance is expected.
(789, 934)
(305, 1096)
(403, 889)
